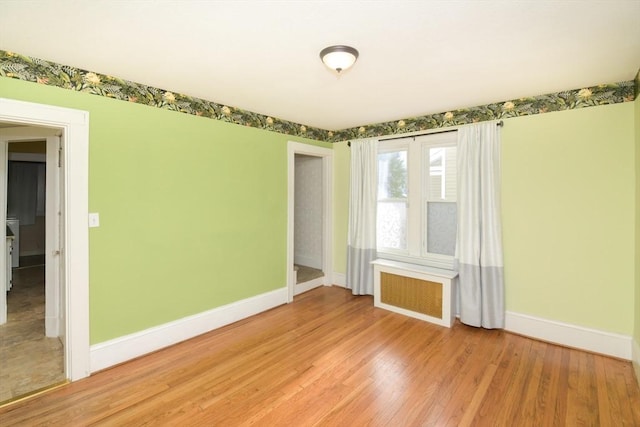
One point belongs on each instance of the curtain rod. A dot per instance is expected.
(500, 123)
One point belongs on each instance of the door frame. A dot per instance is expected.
(326, 154)
(74, 125)
(54, 310)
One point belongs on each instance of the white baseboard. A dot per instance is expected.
(118, 350)
(52, 326)
(607, 343)
(339, 279)
(307, 286)
(635, 359)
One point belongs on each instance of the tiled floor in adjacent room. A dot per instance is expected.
(29, 361)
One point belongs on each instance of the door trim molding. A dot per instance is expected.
(53, 309)
(326, 154)
(75, 129)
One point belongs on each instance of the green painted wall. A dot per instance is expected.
(193, 211)
(568, 208)
(341, 166)
(185, 202)
(568, 215)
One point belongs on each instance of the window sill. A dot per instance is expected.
(442, 263)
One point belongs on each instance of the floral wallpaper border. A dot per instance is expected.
(13, 65)
(49, 73)
(612, 93)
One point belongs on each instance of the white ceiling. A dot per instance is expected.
(416, 57)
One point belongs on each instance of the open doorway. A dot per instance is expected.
(74, 236)
(310, 218)
(73, 128)
(308, 223)
(31, 338)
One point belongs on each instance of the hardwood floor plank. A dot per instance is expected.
(633, 391)
(520, 385)
(547, 402)
(562, 402)
(530, 408)
(478, 358)
(493, 404)
(625, 389)
(604, 404)
(332, 359)
(583, 400)
(478, 394)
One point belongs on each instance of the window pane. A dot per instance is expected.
(392, 225)
(442, 173)
(441, 227)
(392, 175)
(392, 200)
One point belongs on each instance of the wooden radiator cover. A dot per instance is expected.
(420, 296)
(423, 292)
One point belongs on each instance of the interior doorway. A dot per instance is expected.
(308, 222)
(309, 254)
(32, 343)
(73, 158)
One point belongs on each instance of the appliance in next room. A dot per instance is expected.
(14, 225)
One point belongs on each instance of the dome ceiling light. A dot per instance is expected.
(339, 58)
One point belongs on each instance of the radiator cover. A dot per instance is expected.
(417, 291)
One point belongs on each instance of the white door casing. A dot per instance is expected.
(54, 214)
(74, 292)
(326, 155)
(3, 232)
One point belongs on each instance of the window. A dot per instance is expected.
(417, 211)
(391, 227)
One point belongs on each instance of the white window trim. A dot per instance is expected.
(416, 219)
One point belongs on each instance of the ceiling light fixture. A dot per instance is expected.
(339, 58)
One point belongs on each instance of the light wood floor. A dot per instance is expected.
(331, 359)
(29, 360)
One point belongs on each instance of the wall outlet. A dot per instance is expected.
(94, 220)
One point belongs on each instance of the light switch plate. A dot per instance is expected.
(94, 220)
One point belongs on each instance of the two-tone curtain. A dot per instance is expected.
(361, 241)
(479, 239)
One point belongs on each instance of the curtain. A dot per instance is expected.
(479, 239)
(361, 242)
